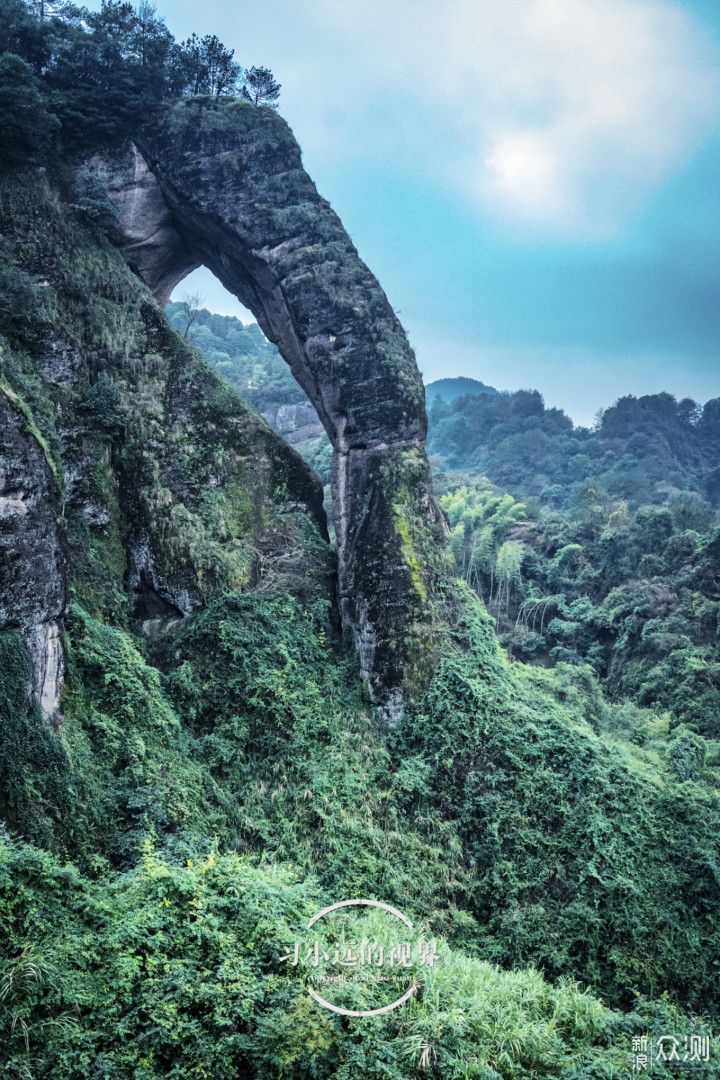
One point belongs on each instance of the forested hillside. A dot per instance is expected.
(595, 548)
(450, 389)
(643, 450)
(243, 356)
(190, 765)
(241, 353)
(606, 556)
(627, 598)
(611, 564)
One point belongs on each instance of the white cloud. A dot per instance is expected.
(546, 111)
(551, 110)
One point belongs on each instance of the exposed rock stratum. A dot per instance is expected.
(221, 184)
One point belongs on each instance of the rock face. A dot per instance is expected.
(295, 422)
(134, 482)
(220, 183)
(32, 561)
(146, 235)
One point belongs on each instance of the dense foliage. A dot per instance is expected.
(242, 784)
(78, 77)
(241, 353)
(630, 597)
(172, 969)
(217, 779)
(642, 449)
(587, 856)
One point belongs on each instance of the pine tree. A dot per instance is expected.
(259, 86)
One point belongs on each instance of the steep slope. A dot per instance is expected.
(208, 773)
(248, 361)
(220, 182)
(133, 478)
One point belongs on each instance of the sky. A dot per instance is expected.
(535, 183)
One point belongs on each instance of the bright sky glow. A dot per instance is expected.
(534, 182)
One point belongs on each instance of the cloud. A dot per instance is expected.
(546, 110)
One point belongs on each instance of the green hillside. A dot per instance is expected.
(450, 389)
(213, 775)
(644, 450)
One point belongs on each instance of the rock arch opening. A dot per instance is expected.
(227, 335)
(219, 183)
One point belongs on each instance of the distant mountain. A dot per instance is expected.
(449, 389)
(645, 450)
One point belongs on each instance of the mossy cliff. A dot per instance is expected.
(220, 182)
(134, 479)
(189, 765)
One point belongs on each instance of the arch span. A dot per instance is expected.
(220, 183)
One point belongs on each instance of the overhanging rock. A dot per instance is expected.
(220, 183)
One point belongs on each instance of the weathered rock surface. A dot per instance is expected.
(295, 422)
(236, 199)
(132, 479)
(146, 234)
(32, 560)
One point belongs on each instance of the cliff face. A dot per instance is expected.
(33, 564)
(295, 422)
(132, 479)
(220, 183)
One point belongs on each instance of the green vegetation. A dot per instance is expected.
(252, 366)
(173, 969)
(550, 815)
(643, 450)
(603, 562)
(79, 78)
(30, 426)
(242, 355)
(586, 855)
(242, 785)
(627, 599)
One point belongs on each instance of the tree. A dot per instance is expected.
(43, 8)
(27, 128)
(192, 305)
(259, 86)
(222, 72)
(188, 69)
(153, 45)
(101, 71)
(507, 570)
(205, 66)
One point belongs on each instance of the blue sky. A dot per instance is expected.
(534, 182)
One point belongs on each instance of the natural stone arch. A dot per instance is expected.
(220, 183)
